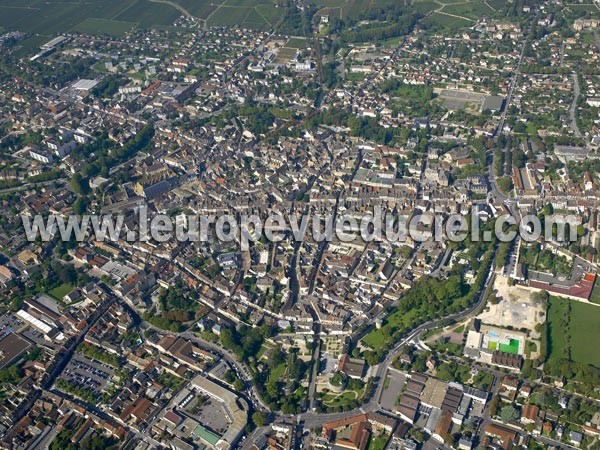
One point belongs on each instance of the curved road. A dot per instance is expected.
(312, 419)
(251, 393)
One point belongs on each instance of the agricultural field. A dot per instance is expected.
(50, 17)
(104, 16)
(573, 330)
(147, 14)
(116, 17)
(444, 21)
(471, 10)
(257, 14)
(348, 8)
(201, 9)
(247, 3)
(330, 3)
(104, 26)
(226, 15)
(425, 6)
(270, 13)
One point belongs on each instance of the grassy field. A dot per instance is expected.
(296, 43)
(378, 338)
(346, 398)
(278, 372)
(595, 297)
(285, 54)
(572, 331)
(59, 292)
(377, 442)
(585, 333)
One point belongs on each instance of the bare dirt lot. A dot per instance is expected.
(517, 307)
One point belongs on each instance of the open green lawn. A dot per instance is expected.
(377, 338)
(585, 333)
(595, 297)
(278, 372)
(377, 442)
(573, 334)
(59, 292)
(296, 42)
(344, 399)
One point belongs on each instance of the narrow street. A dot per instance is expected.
(573, 108)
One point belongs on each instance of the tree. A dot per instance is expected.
(79, 184)
(259, 419)
(505, 184)
(238, 385)
(509, 414)
(80, 206)
(494, 405)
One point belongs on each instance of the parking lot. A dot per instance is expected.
(10, 323)
(35, 336)
(390, 394)
(211, 414)
(87, 373)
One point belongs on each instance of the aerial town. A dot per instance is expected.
(322, 108)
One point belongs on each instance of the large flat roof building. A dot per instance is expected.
(11, 347)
